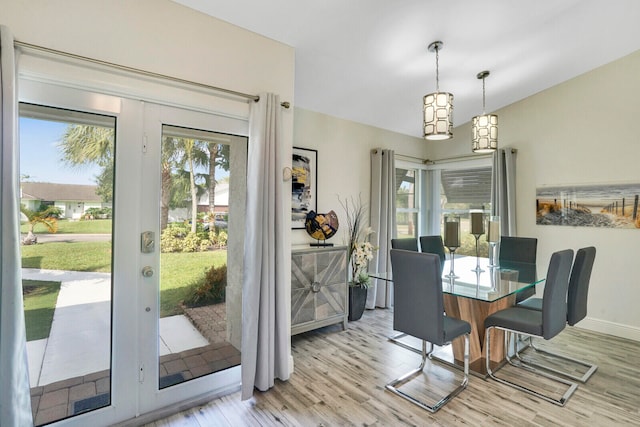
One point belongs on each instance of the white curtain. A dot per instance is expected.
(382, 219)
(15, 398)
(503, 190)
(266, 342)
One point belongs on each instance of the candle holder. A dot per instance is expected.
(452, 239)
(493, 237)
(477, 229)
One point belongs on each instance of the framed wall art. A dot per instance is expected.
(304, 185)
(596, 205)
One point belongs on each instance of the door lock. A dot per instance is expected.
(147, 271)
(147, 242)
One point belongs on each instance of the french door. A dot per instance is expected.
(191, 254)
(165, 326)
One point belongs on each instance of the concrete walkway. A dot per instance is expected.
(79, 342)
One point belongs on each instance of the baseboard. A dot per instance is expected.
(611, 328)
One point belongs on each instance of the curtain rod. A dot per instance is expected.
(255, 98)
(410, 157)
(465, 156)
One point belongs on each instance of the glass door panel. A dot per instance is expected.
(193, 200)
(199, 331)
(66, 197)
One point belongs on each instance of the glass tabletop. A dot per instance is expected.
(489, 284)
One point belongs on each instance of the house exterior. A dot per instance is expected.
(72, 199)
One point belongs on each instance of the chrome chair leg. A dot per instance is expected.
(396, 340)
(394, 386)
(591, 367)
(572, 387)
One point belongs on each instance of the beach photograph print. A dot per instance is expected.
(303, 185)
(600, 205)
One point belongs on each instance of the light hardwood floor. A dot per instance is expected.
(340, 376)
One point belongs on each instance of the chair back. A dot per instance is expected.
(556, 286)
(515, 251)
(418, 308)
(408, 244)
(518, 249)
(433, 245)
(579, 284)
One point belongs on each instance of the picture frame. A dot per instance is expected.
(304, 185)
(606, 205)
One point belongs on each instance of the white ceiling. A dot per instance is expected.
(367, 60)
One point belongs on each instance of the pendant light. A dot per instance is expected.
(484, 128)
(438, 107)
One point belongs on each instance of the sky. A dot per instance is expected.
(40, 158)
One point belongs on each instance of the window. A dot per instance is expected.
(407, 206)
(459, 187)
(411, 207)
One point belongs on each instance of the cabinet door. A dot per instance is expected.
(318, 285)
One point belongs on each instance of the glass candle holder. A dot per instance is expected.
(477, 230)
(493, 238)
(452, 238)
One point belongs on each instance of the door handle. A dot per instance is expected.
(147, 271)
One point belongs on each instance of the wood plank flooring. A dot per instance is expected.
(340, 376)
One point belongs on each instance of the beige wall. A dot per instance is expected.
(159, 36)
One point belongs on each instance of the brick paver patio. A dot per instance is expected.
(72, 396)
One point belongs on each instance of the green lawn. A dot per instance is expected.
(74, 256)
(178, 270)
(39, 304)
(96, 226)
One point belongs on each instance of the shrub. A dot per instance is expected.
(210, 289)
(191, 243)
(52, 211)
(177, 237)
(218, 237)
(171, 240)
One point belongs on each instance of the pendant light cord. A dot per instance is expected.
(483, 108)
(438, 70)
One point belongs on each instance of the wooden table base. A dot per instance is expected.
(475, 312)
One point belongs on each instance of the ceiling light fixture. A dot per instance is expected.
(438, 106)
(484, 128)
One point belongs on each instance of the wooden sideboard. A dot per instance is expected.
(319, 288)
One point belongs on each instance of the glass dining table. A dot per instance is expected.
(472, 295)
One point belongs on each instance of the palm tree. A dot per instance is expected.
(193, 155)
(45, 217)
(181, 158)
(83, 145)
(218, 157)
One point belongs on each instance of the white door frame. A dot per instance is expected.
(132, 332)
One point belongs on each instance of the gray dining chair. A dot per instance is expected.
(533, 323)
(433, 245)
(576, 310)
(518, 250)
(419, 311)
(408, 244)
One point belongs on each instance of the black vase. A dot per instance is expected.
(357, 301)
